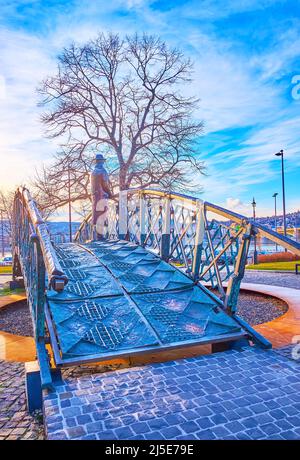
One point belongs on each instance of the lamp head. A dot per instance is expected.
(279, 154)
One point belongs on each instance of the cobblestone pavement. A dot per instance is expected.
(290, 280)
(15, 422)
(249, 394)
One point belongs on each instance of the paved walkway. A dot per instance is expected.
(285, 329)
(15, 422)
(15, 347)
(249, 394)
(289, 280)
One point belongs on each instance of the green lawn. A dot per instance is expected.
(7, 291)
(7, 269)
(289, 266)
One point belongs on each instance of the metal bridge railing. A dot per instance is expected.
(208, 242)
(34, 259)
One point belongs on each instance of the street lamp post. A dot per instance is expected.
(275, 196)
(280, 154)
(254, 216)
(2, 231)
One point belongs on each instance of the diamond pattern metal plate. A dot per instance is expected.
(185, 315)
(122, 297)
(137, 269)
(99, 326)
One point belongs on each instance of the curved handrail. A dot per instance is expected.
(56, 276)
(283, 241)
(85, 221)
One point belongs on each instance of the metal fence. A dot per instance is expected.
(208, 242)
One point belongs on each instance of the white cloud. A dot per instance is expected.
(235, 91)
(24, 63)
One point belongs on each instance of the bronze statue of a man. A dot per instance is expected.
(100, 195)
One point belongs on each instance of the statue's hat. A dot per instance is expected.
(99, 157)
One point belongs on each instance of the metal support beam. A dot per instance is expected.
(200, 230)
(142, 220)
(165, 237)
(234, 282)
(123, 215)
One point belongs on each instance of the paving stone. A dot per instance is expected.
(15, 422)
(94, 427)
(289, 435)
(124, 432)
(270, 429)
(189, 427)
(188, 399)
(157, 423)
(83, 419)
(70, 421)
(171, 432)
(154, 436)
(71, 411)
(76, 432)
(140, 427)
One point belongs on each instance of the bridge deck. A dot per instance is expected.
(122, 299)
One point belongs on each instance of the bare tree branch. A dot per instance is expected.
(122, 97)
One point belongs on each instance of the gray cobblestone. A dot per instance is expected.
(15, 422)
(249, 394)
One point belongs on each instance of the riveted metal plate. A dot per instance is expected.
(138, 270)
(76, 274)
(81, 289)
(69, 263)
(105, 336)
(88, 327)
(184, 315)
(92, 310)
(121, 297)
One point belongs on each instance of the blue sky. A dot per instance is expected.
(247, 58)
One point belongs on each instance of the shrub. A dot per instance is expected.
(277, 257)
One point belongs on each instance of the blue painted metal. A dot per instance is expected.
(34, 256)
(146, 304)
(113, 297)
(33, 386)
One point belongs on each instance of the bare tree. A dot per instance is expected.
(122, 97)
(6, 206)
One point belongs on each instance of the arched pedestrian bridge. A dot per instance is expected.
(142, 286)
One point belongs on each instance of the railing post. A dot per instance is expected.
(234, 283)
(165, 237)
(39, 313)
(40, 301)
(200, 229)
(142, 219)
(123, 215)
